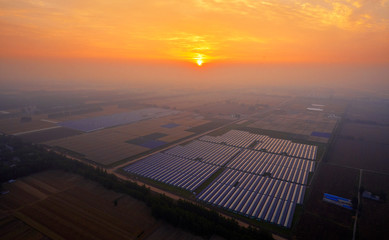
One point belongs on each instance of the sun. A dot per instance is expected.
(199, 62)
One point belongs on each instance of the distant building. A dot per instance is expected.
(315, 109)
(343, 202)
(371, 196)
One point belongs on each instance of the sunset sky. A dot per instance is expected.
(190, 31)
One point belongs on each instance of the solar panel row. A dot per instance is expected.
(240, 188)
(279, 146)
(281, 167)
(206, 152)
(236, 138)
(274, 145)
(255, 196)
(173, 170)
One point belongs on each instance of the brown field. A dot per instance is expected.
(335, 180)
(60, 205)
(224, 108)
(360, 154)
(109, 145)
(330, 105)
(13, 125)
(104, 147)
(260, 99)
(301, 123)
(362, 146)
(373, 221)
(50, 134)
(312, 226)
(365, 132)
(187, 102)
(369, 111)
(13, 228)
(107, 110)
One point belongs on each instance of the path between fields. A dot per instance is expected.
(37, 130)
(359, 202)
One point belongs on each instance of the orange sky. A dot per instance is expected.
(188, 30)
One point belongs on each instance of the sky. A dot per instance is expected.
(178, 33)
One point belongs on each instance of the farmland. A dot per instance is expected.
(15, 125)
(336, 180)
(49, 134)
(61, 205)
(110, 145)
(373, 223)
(298, 123)
(362, 143)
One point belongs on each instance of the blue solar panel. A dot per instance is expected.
(170, 125)
(96, 123)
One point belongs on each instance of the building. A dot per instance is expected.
(343, 202)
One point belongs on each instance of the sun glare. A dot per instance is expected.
(199, 62)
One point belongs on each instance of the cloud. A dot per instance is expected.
(280, 30)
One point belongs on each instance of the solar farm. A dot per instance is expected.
(101, 122)
(261, 177)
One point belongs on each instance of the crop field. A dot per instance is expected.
(362, 146)
(313, 226)
(187, 102)
(13, 228)
(224, 108)
(106, 110)
(260, 101)
(110, 145)
(365, 133)
(256, 184)
(373, 221)
(49, 134)
(113, 120)
(301, 123)
(14, 125)
(104, 147)
(60, 205)
(374, 112)
(322, 220)
(338, 181)
(328, 105)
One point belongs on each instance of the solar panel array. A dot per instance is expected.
(262, 142)
(101, 122)
(236, 138)
(255, 196)
(279, 146)
(280, 167)
(206, 152)
(173, 170)
(256, 184)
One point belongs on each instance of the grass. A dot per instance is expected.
(208, 126)
(209, 180)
